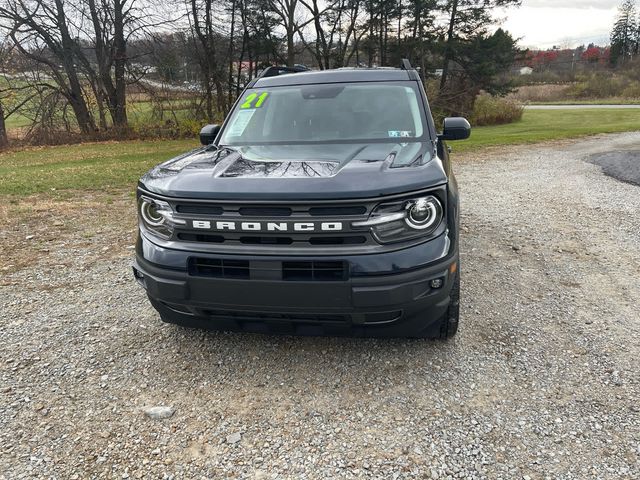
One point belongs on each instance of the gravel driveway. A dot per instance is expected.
(542, 380)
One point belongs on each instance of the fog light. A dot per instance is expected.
(437, 283)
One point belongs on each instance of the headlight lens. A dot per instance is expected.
(157, 216)
(151, 214)
(423, 213)
(405, 220)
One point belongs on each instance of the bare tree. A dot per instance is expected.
(335, 28)
(41, 31)
(109, 19)
(207, 42)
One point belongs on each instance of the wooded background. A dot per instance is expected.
(87, 67)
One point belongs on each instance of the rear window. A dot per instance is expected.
(326, 113)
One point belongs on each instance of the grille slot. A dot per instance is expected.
(314, 271)
(347, 240)
(265, 211)
(219, 268)
(201, 237)
(337, 211)
(200, 209)
(266, 240)
(283, 317)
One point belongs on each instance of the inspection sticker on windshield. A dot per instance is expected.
(399, 133)
(243, 117)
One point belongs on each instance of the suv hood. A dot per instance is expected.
(310, 171)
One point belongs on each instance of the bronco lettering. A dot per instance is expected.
(268, 226)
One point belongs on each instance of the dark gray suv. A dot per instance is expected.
(324, 204)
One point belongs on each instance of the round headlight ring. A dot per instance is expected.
(423, 213)
(150, 214)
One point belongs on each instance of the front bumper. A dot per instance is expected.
(402, 304)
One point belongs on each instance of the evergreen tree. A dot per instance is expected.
(624, 36)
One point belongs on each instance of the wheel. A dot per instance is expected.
(451, 318)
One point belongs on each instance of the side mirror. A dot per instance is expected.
(208, 134)
(455, 128)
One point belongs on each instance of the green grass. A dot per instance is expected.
(117, 165)
(544, 125)
(17, 121)
(595, 101)
(138, 113)
(91, 166)
(142, 111)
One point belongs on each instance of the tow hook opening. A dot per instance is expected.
(139, 276)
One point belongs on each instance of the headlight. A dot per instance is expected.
(423, 213)
(405, 220)
(151, 213)
(157, 216)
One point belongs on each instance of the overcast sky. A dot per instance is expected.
(545, 23)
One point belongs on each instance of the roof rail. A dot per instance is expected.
(406, 64)
(275, 71)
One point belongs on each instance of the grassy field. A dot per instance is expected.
(544, 125)
(94, 166)
(138, 112)
(597, 101)
(117, 165)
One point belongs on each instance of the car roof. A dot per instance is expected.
(339, 75)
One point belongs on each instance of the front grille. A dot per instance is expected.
(300, 228)
(266, 240)
(274, 225)
(311, 271)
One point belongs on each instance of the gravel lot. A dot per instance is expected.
(541, 382)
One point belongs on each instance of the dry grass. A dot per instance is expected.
(489, 110)
(540, 93)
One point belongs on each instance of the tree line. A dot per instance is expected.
(80, 58)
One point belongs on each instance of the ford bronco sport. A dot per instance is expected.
(324, 204)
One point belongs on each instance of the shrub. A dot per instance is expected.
(168, 129)
(632, 91)
(598, 85)
(540, 93)
(489, 110)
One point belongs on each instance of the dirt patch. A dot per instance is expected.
(45, 229)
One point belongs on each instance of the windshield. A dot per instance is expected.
(338, 112)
